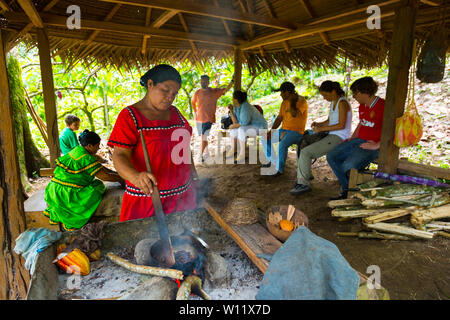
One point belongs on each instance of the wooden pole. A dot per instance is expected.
(397, 85)
(49, 95)
(237, 70)
(14, 277)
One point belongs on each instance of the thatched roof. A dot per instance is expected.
(270, 33)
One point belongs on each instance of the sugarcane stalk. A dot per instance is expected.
(155, 271)
(420, 217)
(191, 284)
(388, 215)
(388, 227)
(373, 235)
(444, 234)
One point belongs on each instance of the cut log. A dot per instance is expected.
(388, 215)
(420, 217)
(444, 234)
(400, 190)
(191, 284)
(356, 213)
(161, 272)
(381, 226)
(343, 203)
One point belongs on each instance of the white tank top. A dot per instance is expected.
(334, 119)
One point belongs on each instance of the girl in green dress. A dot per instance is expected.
(74, 193)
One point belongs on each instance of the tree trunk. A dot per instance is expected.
(14, 277)
(30, 159)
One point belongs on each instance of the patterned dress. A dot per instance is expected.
(168, 144)
(74, 194)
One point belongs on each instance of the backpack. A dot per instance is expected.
(259, 108)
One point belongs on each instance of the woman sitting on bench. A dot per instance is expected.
(364, 145)
(339, 128)
(247, 121)
(73, 195)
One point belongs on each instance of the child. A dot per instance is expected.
(68, 138)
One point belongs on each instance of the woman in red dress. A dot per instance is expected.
(167, 136)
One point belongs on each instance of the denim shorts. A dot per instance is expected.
(202, 127)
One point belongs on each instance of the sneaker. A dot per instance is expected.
(299, 189)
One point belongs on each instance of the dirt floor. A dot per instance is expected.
(409, 269)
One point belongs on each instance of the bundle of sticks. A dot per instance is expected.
(417, 207)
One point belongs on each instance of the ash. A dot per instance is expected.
(107, 280)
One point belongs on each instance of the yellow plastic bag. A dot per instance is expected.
(408, 127)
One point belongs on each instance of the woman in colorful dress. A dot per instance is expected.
(167, 137)
(74, 193)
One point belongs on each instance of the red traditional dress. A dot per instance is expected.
(167, 141)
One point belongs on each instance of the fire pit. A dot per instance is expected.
(239, 278)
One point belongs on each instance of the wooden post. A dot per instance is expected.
(397, 85)
(14, 277)
(237, 70)
(49, 95)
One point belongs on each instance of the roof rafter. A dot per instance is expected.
(31, 12)
(321, 24)
(311, 14)
(224, 22)
(191, 7)
(163, 18)
(148, 14)
(60, 21)
(107, 18)
(4, 6)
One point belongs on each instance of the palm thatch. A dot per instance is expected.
(271, 34)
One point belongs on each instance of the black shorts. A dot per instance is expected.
(203, 127)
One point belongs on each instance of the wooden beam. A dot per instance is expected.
(31, 12)
(60, 21)
(312, 28)
(14, 277)
(224, 22)
(434, 3)
(397, 85)
(192, 7)
(147, 24)
(237, 77)
(107, 18)
(185, 27)
(4, 6)
(311, 14)
(162, 19)
(411, 168)
(49, 95)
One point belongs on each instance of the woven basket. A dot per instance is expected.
(240, 211)
(298, 219)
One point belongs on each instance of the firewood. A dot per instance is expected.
(439, 225)
(420, 217)
(371, 184)
(343, 203)
(191, 284)
(155, 271)
(356, 213)
(444, 234)
(373, 235)
(401, 190)
(381, 226)
(388, 215)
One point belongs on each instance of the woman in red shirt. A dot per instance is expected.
(364, 144)
(167, 136)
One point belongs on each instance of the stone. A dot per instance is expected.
(157, 288)
(217, 273)
(142, 252)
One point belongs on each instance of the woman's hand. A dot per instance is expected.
(370, 145)
(230, 107)
(145, 182)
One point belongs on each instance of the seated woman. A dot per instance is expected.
(293, 115)
(74, 193)
(364, 145)
(338, 125)
(167, 136)
(247, 121)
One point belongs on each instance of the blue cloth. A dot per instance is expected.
(289, 138)
(348, 155)
(246, 114)
(33, 241)
(308, 267)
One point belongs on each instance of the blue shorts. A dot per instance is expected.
(203, 127)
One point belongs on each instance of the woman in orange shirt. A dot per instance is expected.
(292, 116)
